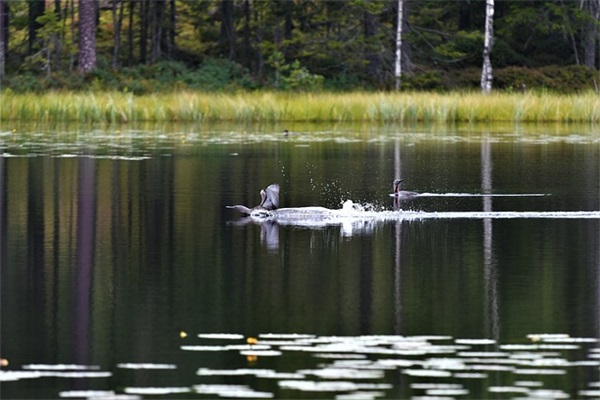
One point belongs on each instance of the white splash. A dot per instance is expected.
(450, 194)
(354, 217)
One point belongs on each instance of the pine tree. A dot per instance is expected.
(87, 36)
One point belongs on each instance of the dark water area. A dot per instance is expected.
(118, 251)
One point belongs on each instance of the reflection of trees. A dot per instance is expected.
(2, 211)
(85, 247)
(160, 239)
(397, 249)
(489, 265)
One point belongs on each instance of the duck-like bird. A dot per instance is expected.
(269, 200)
(402, 193)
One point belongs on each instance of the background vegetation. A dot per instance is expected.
(272, 106)
(146, 46)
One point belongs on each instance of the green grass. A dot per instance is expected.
(244, 107)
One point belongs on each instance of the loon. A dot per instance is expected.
(402, 193)
(269, 200)
(269, 208)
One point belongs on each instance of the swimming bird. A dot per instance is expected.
(269, 200)
(402, 193)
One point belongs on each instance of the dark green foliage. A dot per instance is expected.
(568, 79)
(26, 82)
(292, 45)
(212, 75)
(218, 74)
(429, 80)
(573, 78)
(222, 75)
(344, 81)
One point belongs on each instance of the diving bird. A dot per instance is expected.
(402, 193)
(269, 200)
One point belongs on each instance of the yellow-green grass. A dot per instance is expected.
(378, 107)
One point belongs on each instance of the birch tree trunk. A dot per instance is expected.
(398, 60)
(488, 42)
(87, 36)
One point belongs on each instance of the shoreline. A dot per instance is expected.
(301, 107)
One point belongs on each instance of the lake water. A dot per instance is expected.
(124, 274)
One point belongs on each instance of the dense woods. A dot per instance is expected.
(147, 45)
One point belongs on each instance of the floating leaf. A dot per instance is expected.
(225, 336)
(475, 341)
(447, 392)
(426, 386)
(318, 386)
(507, 389)
(8, 376)
(285, 336)
(470, 375)
(61, 367)
(343, 373)
(203, 348)
(427, 372)
(261, 353)
(146, 366)
(540, 371)
(87, 393)
(481, 354)
(589, 393)
(341, 356)
(156, 390)
(548, 394)
(230, 391)
(529, 383)
(232, 372)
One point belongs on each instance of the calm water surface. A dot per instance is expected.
(116, 245)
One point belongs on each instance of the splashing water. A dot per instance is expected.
(356, 214)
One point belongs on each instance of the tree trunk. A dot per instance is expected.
(247, 51)
(87, 36)
(158, 13)
(118, 25)
(227, 38)
(144, 31)
(71, 13)
(36, 9)
(260, 61)
(2, 39)
(590, 32)
(58, 9)
(371, 29)
(289, 22)
(488, 42)
(171, 32)
(130, 33)
(398, 58)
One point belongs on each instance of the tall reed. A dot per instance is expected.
(372, 107)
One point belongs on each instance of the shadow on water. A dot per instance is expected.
(124, 273)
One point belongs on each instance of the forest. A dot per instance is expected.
(143, 46)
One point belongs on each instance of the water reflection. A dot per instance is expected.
(490, 281)
(106, 259)
(85, 243)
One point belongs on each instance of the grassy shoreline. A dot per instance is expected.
(244, 107)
